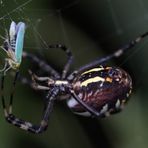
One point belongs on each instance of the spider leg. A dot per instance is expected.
(69, 55)
(13, 90)
(35, 77)
(39, 87)
(12, 93)
(28, 126)
(87, 107)
(32, 83)
(24, 80)
(42, 64)
(115, 54)
(40, 79)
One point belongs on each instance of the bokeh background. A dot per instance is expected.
(91, 29)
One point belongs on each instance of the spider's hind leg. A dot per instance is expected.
(93, 112)
(119, 52)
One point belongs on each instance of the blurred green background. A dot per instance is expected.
(91, 29)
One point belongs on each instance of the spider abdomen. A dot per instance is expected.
(104, 89)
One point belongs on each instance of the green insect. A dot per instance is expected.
(13, 46)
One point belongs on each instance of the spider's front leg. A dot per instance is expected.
(42, 64)
(69, 55)
(37, 86)
(47, 68)
(28, 126)
(33, 81)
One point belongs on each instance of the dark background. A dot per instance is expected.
(91, 29)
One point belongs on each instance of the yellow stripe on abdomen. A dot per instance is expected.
(92, 70)
(91, 80)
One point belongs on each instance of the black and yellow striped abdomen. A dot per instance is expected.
(105, 89)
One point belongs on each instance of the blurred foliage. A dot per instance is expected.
(91, 29)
